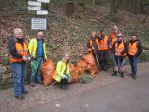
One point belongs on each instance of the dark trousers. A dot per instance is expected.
(63, 82)
(133, 63)
(103, 58)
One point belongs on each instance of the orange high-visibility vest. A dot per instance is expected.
(113, 37)
(22, 50)
(103, 44)
(132, 48)
(119, 48)
(97, 43)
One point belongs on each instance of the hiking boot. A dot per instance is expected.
(32, 84)
(122, 75)
(63, 86)
(104, 70)
(40, 82)
(21, 97)
(115, 73)
(133, 76)
(25, 92)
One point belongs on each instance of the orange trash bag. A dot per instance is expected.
(78, 70)
(82, 64)
(93, 70)
(89, 59)
(74, 77)
(71, 67)
(48, 69)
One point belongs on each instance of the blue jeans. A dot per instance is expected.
(133, 63)
(19, 74)
(37, 77)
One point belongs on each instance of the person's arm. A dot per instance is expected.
(59, 68)
(113, 48)
(45, 52)
(88, 44)
(30, 47)
(109, 43)
(125, 49)
(140, 49)
(12, 49)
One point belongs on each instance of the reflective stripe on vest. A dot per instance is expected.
(103, 44)
(119, 48)
(22, 50)
(132, 49)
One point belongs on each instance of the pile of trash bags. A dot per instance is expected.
(85, 65)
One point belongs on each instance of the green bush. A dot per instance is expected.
(86, 78)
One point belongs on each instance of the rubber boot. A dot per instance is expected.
(122, 75)
(114, 73)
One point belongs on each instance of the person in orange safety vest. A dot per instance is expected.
(134, 51)
(104, 45)
(93, 45)
(19, 56)
(113, 35)
(119, 51)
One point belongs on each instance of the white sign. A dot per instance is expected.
(42, 12)
(39, 24)
(34, 3)
(34, 8)
(45, 1)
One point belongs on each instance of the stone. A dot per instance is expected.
(9, 69)
(6, 76)
(3, 70)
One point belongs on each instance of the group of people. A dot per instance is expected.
(35, 51)
(115, 48)
(101, 45)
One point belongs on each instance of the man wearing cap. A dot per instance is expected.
(134, 51)
(19, 56)
(63, 76)
(119, 50)
(104, 44)
(37, 50)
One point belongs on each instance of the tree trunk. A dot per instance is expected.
(113, 9)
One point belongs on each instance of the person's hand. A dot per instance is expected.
(25, 58)
(117, 54)
(45, 59)
(64, 76)
(93, 48)
(29, 58)
(110, 46)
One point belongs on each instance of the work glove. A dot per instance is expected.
(93, 48)
(64, 76)
(25, 58)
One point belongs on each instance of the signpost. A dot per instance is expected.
(45, 1)
(34, 8)
(34, 3)
(42, 12)
(38, 24)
